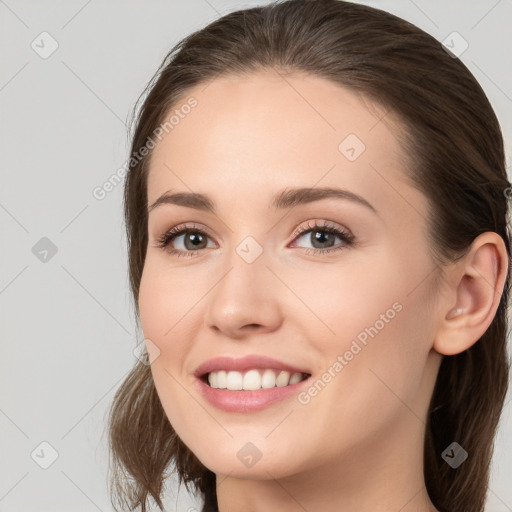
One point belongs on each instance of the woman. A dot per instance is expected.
(319, 254)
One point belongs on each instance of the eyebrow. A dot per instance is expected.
(287, 198)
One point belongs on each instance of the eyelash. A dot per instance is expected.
(347, 238)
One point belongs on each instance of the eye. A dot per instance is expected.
(193, 240)
(323, 236)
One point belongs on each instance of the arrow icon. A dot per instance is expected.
(44, 250)
(249, 253)
(454, 455)
(351, 147)
(44, 455)
(455, 44)
(44, 44)
(249, 455)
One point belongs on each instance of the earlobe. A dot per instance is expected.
(478, 281)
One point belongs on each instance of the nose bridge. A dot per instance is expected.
(246, 276)
(246, 293)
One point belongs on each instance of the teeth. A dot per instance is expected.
(253, 379)
(268, 379)
(296, 377)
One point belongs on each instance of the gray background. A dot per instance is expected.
(67, 327)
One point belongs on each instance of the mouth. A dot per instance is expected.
(252, 379)
(251, 383)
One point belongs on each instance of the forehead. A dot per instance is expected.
(249, 135)
(281, 111)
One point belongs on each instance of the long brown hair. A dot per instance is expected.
(455, 153)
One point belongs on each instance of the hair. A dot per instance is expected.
(454, 147)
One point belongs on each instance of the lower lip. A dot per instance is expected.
(248, 401)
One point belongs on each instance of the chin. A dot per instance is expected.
(248, 463)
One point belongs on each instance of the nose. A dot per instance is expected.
(245, 299)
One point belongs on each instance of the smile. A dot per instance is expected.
(253, 379)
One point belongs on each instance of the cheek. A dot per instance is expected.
(369, 386)
(378, 338)
(165, 305)
(166, 298)
(166, 316)
(338, 302)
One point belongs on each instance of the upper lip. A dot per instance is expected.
(244, 363)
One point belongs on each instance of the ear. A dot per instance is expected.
(475, 286)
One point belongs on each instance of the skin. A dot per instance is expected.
(358, 444)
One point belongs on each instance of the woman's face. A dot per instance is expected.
(351, 306)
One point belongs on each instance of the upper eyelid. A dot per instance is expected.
(319, 225)
(300, 230)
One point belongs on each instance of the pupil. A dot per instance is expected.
(320, 237)
(195, 239)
